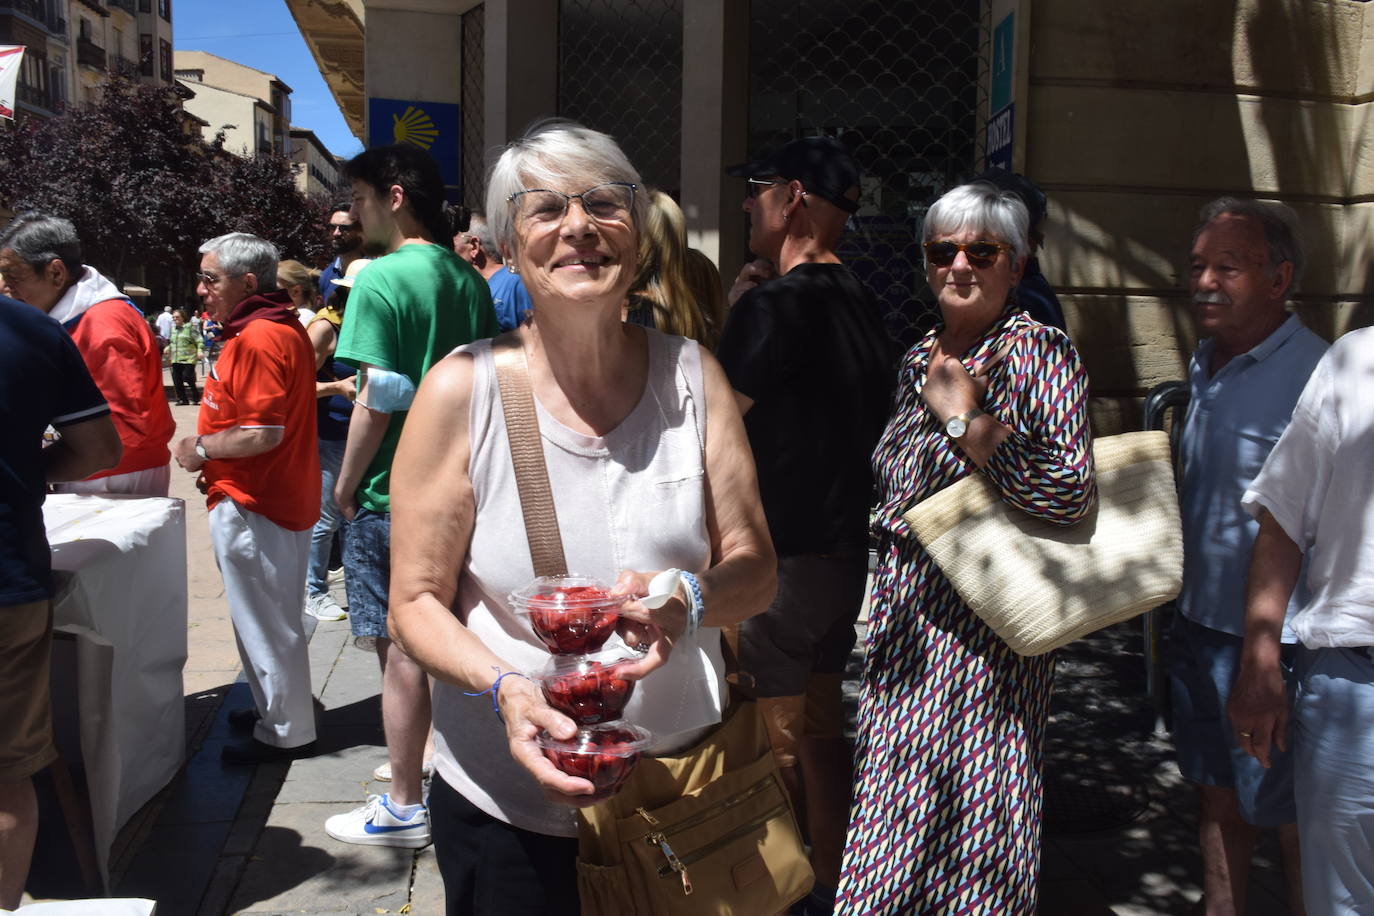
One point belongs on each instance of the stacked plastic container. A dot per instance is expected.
(574, 616)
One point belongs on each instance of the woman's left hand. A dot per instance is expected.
(651, 630)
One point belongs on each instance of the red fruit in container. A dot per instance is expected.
(604, 754)
(588, 689)
(569, 614)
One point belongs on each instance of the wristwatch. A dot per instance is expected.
(200, 449)
(955, 427)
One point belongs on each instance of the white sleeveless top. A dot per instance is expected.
(632, 499)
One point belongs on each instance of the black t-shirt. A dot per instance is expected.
(810, 350)
(43, 381)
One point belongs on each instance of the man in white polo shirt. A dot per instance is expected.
(1312, 499)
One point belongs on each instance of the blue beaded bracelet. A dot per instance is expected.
(495, 686)
(697, 608)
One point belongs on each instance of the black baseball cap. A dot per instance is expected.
(1022, 187)
(822, 164)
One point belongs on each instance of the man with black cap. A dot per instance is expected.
(1034, 294)
(812, 369)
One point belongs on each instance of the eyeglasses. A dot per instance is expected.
(610, 202)
(756, 186)
(980, 254)
(212, 279)
(347, 227)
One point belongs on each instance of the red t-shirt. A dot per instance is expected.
(266, 377)
(123, 358)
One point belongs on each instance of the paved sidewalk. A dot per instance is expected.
(1120, 825)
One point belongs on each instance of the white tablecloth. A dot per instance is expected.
(120, 568)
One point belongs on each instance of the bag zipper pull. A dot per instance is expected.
(653, 821)
(661, 841)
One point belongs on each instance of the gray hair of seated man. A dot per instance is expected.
(40, 238)
(240, 253)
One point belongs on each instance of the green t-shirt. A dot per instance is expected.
(406, 312)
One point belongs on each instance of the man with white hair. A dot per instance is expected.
(40, 257)
(1244, 379)
(260, 470)
(478, 247)
(165, 323)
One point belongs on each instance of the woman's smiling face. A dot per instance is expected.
(579, 249)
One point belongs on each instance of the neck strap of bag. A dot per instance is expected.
(527, 454)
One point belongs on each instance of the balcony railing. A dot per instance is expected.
(36, 10)
(125, 5)
(122, 66)
(89, 54)
(32, 95)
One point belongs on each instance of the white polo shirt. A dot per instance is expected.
(1318, 483)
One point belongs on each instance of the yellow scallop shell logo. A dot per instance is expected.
(414, 127)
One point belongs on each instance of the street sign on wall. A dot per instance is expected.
(1000, 139)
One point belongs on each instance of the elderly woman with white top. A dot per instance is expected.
(649, 469)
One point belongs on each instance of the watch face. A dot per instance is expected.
(956, 427)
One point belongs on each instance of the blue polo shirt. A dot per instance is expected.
(43, 381)
(509, 297)
(1234, 418)
(328, 276)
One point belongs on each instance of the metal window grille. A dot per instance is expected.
(899, 82)
(473, 110)
(620, 72)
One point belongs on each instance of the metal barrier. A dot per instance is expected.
(1163, 405)
(474, 117)
(900, 83)
(620, 71)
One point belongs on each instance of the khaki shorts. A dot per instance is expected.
(26, 739)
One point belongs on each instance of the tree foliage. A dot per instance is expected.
(144, 192)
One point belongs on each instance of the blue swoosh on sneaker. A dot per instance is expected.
(380, 828)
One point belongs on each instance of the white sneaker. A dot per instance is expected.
(376, 824)
(324, 607)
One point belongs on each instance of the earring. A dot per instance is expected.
(513, 268)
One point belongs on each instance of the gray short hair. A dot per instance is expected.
(480, 229)
(552, 153)
(1282, 234)
(41, 238)
(240, 253)
(981, 207)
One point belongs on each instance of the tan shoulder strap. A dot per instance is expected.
(527, 454)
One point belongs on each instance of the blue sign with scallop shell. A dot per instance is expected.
(431, 126)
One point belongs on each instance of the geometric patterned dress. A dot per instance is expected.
(946, 811)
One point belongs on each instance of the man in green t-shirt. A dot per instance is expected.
(406, 311)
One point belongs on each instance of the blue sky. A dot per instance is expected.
(262, 35)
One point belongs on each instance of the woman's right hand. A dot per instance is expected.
(527, 714)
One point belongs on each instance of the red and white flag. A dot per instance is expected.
(10, 56)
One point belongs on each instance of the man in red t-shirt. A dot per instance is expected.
(260, 471)
(40, 258)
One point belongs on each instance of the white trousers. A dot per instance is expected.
(147, 482)
(1333, 779)
(263, 565)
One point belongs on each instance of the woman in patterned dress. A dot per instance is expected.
(946, 810)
